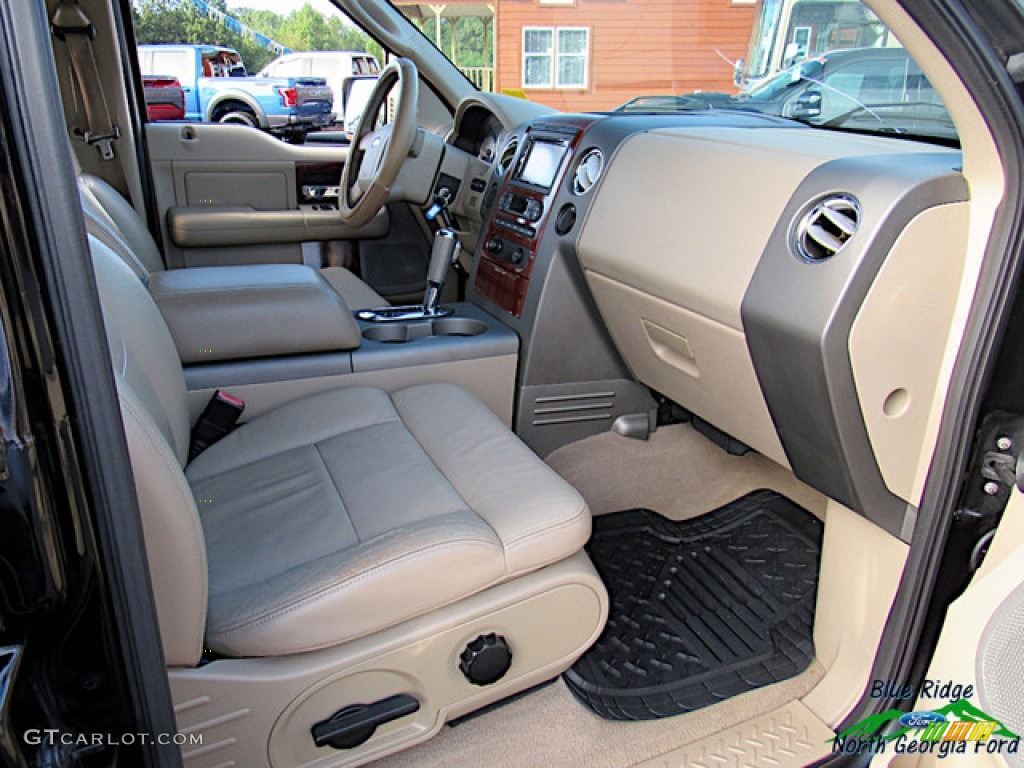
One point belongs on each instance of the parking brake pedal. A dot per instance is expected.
(349, 727)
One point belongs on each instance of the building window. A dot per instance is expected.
(538, 55)
(555, 57)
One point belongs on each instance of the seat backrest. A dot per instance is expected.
(152, 395)
(112, 220)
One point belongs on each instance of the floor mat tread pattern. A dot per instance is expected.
(701, 610)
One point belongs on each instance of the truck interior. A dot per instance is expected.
(604, 439)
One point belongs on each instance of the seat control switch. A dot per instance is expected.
(486, 659)
(349, 727)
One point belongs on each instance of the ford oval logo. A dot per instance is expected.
(921, 719)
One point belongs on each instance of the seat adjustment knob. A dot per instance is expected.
(486, 659)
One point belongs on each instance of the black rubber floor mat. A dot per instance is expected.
(701, 610)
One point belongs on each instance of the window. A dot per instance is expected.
(555, 57)
(872, 81)
(537, 57)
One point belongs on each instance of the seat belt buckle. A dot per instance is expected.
(104, 142)
(218, 418)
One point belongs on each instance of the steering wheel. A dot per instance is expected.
(375, 156)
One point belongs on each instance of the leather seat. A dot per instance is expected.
(329, 519)
(113, 221)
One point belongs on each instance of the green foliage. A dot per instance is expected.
(304, 29)
(467, 40)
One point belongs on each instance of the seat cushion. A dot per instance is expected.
(353, 510)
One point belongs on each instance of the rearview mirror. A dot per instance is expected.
(807, 105)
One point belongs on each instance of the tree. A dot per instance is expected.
(466, 40)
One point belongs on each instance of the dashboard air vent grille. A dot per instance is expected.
(588, 171)
(827, 227)
(508, 154)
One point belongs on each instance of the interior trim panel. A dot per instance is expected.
(681, 271)
(798, 318)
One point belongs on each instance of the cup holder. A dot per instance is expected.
(389, 334)
(401, 333)
(457, 326)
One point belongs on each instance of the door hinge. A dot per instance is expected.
(994, 471)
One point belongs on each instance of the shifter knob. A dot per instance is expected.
(443, 254)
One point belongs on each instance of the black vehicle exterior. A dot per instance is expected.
(79, 647)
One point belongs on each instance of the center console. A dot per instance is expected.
(524, 203)
(571, 381)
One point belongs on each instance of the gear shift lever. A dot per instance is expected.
(443, 254)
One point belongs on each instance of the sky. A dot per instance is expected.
(283, 7)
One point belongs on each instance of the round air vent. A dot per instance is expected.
(508, 154)
(827, 227)
(588, 171)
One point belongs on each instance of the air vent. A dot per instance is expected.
(588, 171)
(827, 227)
(508, 154)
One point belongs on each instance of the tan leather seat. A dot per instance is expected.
(110, 219)
(329, 519)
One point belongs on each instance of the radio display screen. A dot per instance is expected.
(542, 163)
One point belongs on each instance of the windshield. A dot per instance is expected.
(660, 56)
(794, 76)
(831, 64)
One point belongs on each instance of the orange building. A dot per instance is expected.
(577, 55)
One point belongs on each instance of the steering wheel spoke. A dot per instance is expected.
(376, 154)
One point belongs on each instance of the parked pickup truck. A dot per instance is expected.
(351, 76)
(165, 98)
(218, 89)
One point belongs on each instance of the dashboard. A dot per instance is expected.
(479, 133)
(768, 277)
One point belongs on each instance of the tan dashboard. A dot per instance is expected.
(689, 251)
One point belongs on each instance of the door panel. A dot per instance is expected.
(229, 194)
(980, 647)
(200, 166)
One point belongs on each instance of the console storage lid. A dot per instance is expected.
(263, 310)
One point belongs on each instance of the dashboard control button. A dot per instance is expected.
(495, 246)
(566, 219)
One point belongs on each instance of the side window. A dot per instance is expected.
(872, 82)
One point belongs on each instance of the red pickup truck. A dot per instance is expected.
(165, 98)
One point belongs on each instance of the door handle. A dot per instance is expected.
(320, 192)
